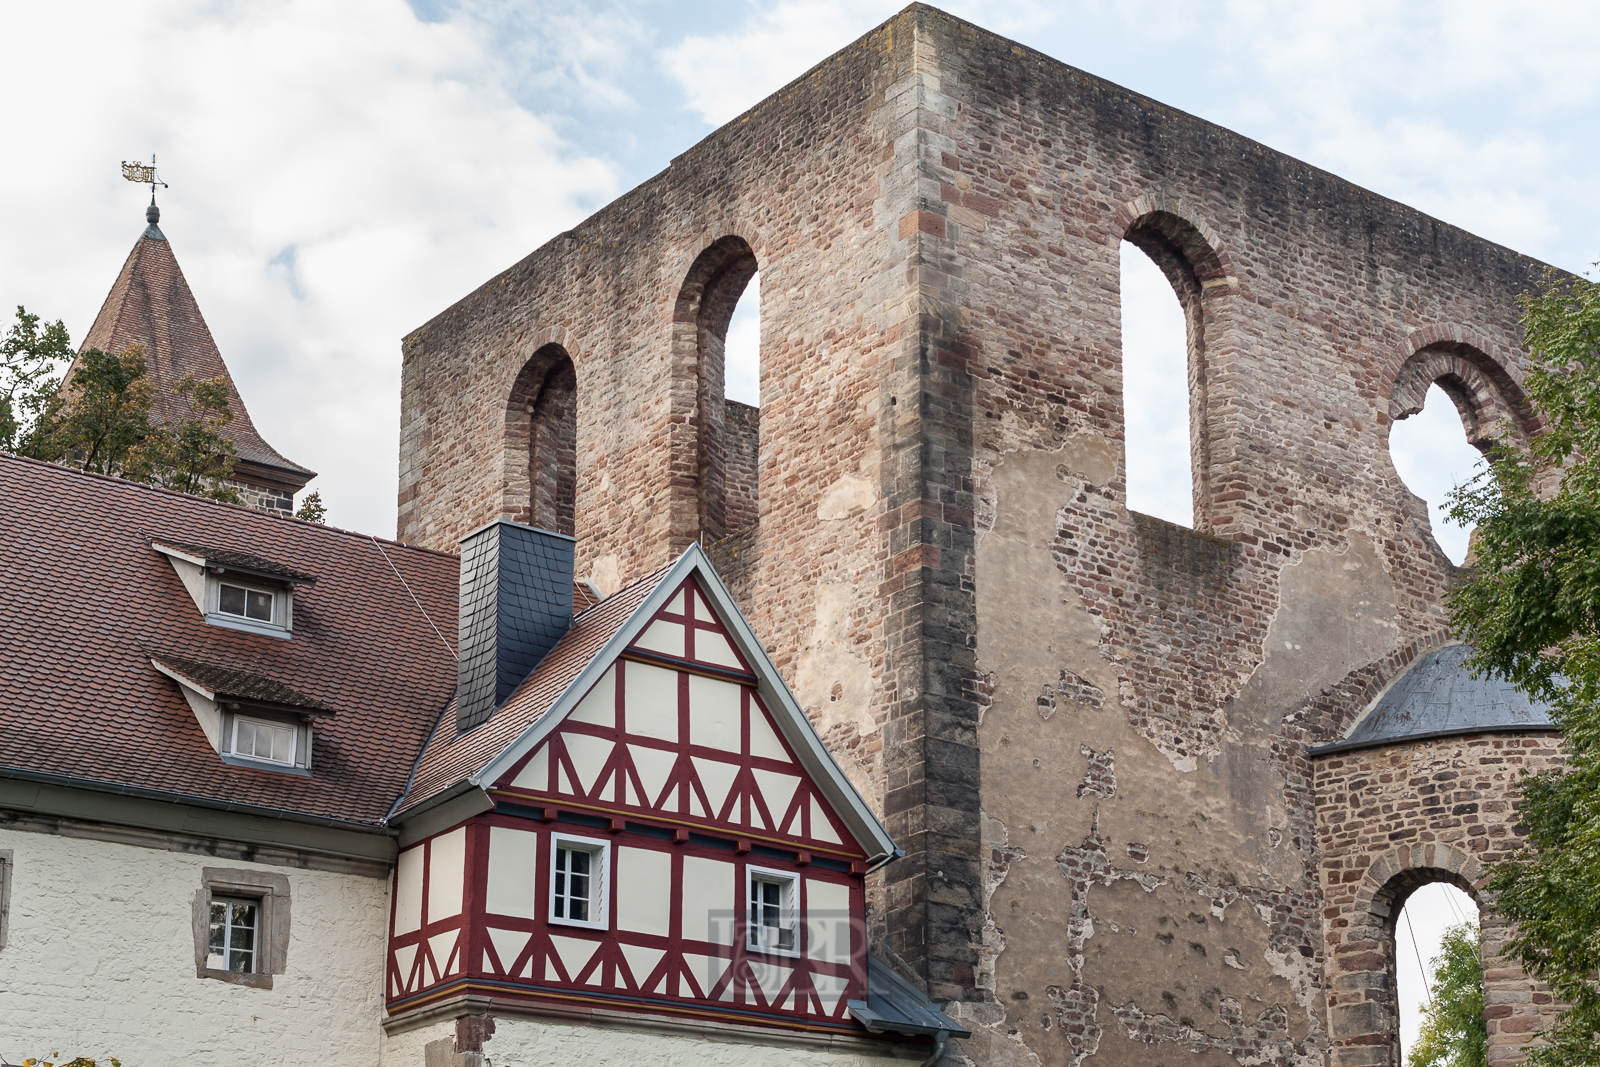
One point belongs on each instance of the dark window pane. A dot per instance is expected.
(219, 912)
(231, 600)
(580, 911)
(259, 606)
(241, 962)
(580, 862)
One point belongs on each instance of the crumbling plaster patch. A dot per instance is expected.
(1203, 832)
(833, 679)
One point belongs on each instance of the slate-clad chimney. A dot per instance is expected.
(516, 603)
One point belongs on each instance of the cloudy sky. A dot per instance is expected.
(340, 172)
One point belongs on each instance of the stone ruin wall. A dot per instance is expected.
(743, 438)
(1391, 819)
(1088, 728)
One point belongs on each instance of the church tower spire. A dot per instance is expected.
(150, 304)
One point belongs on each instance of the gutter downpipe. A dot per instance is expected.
(941, 1045)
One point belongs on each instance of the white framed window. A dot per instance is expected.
(249, 604)
(773, 922)
(231, 941)
(269, 742)
(580, 881)
(255, 604)
(241, 926)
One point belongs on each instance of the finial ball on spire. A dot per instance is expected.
(152, 214)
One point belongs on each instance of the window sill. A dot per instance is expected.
(785, 954)
(579, 924)
(249, 626)
(255, 981)
(262, 765)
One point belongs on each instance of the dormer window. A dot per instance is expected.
(249, 719)
(269, 742)
(245, 603)
(235, 589)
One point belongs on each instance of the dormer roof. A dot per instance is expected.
(150, 304)
(227, 559)
(215, 682)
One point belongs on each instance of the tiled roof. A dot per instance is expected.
(150, 304)
(243, 561)
(1438, 696)
(229, 684)
(451, 758)
(85, 601)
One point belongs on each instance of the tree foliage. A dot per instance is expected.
(190, 454)
(1531, 609)
(312, 509)
(100, 420)
(101, 416)
(1453, 1031)
(31, 361)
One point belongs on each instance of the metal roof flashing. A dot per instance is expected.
(894, 1005)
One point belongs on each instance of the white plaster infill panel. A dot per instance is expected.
(642, 883)
(408, 890)
(447, 870)
(513, 874)
(652, 696)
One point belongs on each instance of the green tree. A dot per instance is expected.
(190, 454)
(312, 509)
(31, 361)
(1453, 1031)
(1531, 608)
(101, 415)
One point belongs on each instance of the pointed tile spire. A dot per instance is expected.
(150, 304)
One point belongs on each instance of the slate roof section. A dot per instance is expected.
(517, 597)
(241, 561)
(151, 304)
(1438, 697)
(85, 600)
(894, 1005)
(225, 683)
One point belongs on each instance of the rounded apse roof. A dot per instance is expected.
(1437, 697)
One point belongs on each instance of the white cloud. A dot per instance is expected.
(340, 173)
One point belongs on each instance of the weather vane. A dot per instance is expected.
(138, 172)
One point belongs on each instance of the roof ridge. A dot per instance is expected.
(163, 491)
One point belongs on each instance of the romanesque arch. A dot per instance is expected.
(541, 441)
(1488, 397)
(1189, 256)
(705, 303)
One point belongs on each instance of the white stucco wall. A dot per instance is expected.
(100, 960)
(532, 1043)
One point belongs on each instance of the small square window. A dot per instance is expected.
(580, 873)
(232, 941)
(773, 920)
(270, 742)
(241, 926)
(245, 603)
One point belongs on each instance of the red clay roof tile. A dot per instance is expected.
(85, 598)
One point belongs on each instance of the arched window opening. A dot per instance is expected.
(1436, 955)
(703, 315)
(1432, 455)
(542, 442)
(1156, 371)
(742, 415)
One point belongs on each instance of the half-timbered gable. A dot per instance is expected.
(661, 830)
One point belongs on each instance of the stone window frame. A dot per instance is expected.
(272, 926)
(7, 861)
